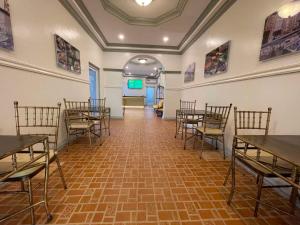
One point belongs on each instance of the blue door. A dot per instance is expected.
(93, 83)
(150, 95)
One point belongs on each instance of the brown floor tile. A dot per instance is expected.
(142, 176)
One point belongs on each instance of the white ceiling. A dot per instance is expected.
(182, 21)
(111, 26)
(149, 69)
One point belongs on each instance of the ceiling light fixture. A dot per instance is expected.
(143, 2)
(165, 39)
(142, 60)
(121, 36)
(155, 68)
(290, 9)
(126, 67)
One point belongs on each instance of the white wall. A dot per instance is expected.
(113, 80)
(249, 84)
(29, 73)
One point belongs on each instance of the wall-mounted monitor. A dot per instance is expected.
(135, 84)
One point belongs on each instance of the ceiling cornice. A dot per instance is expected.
(122, 15)
(191, 36)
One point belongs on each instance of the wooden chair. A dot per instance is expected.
(37, 121)
(255, 122)
(99, 114)
(188, 120)
(77, 118)
(44, 121)
(214, 124)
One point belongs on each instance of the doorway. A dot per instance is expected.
(94, 82)
(150, 95)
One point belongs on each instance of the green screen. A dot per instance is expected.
(135, 84)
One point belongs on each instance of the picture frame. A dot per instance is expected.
(281, 36)
(6, 35)
(67, 56)
(216, 61)
(189, 74)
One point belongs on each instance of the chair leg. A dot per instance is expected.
(227, 175)
(259, 189)
(182, 130)
(109, 125)
(195, 137)
(185, 136)
(89, 134)
(176, 126)
(68, 139)
(294, 195)
(202, 145)
(49, 216)
(216, 142)
(31, 201)
(223, 140)
(61, 173)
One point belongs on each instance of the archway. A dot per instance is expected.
(142, 82)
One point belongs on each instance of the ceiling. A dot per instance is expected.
(150, 69)
(144, 28)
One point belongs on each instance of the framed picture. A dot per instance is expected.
(281, 36)
(67, 56)
(189, 74)
(216, 61)
(6, 37)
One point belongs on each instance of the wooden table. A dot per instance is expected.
(284, 147)
(10, 145)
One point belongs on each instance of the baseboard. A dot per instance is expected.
(134, 107)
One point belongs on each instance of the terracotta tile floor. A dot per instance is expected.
(141, 175)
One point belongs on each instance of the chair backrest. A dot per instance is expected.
(98, 104)
(38, 120)
(187, 105)
(252, 120)
(77, 111)
(216, 116)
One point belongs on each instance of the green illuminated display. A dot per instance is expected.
(135, 84)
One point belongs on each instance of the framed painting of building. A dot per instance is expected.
(67, 56)
(281, 36)
(216, 61)
(6, 36)
(189, 74)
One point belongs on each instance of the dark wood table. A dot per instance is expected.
(283, 147)
(10, 145)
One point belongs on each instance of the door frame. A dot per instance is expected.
(154, 93)
(97, 70)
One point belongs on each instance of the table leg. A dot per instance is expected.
(294, 192)
(49, 216)
(176, 124)
(232, 173)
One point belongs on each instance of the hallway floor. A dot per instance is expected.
(141, 175)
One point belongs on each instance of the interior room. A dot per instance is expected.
(150, 112)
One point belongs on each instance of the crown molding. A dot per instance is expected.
(214, 10)
(165, 17)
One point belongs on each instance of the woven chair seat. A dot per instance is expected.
(81, 125)
(210, 131)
